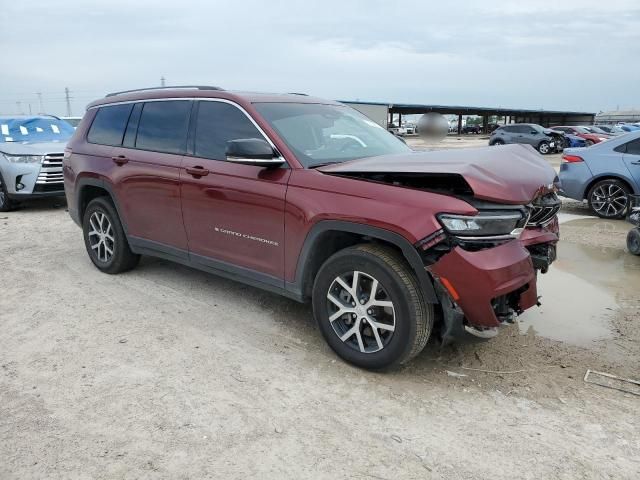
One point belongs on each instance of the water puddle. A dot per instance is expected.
(581, 293)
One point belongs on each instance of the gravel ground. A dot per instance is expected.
(167, 372)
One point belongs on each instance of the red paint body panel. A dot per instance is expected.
(481, 276)
(222, 209)
(148, 187)
(314, 196)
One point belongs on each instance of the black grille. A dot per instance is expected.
(543, 209)
(48, 188)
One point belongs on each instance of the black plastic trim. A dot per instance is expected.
(96, 182)
(408, 250)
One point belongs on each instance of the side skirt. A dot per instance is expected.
(216, 267)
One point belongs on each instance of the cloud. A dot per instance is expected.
(577, 55)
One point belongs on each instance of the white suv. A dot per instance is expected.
(31, 151)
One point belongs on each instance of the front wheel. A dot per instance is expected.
(104, 238)
(633, 241)
(6, 204)
(369, 307)
(544, 148)
(608, 198)
(498, 141)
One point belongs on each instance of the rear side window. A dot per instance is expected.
(109, 124)
(218, 123)
(633, 147)
(163, 126)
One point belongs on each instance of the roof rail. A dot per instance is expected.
(195, 87)
(298, 93)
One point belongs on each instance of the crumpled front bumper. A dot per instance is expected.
(473, 280)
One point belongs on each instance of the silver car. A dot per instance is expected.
(603, 174)
(540, 138)
(31, 151)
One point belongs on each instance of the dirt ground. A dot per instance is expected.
(167, 372)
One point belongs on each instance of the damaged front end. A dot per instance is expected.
(484, 280)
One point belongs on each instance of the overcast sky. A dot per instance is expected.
(579, 55)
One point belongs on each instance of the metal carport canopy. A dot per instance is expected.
(413, 108)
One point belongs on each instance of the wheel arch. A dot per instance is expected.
(89, 188)
(329, 236)
(600, 178)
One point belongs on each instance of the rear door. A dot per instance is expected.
(632, 160)
(233, 213)
(148, 175)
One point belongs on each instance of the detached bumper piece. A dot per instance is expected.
(482, 290)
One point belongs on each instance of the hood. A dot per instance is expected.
(16, 148)
(514, 174)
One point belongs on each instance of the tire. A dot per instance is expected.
(544, 148)
(608, 198)
(498, 141)
(398, 303)
(6, 204)
(633, 241)
(101, 217)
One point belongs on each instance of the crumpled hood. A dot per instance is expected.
(16, 148)
(514, 174)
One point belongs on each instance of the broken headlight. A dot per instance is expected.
(484, 224)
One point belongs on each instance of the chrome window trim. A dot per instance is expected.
(196, 99)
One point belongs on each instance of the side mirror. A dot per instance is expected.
(533, 132)
(252, 151)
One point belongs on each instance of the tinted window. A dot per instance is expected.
(109, 124)
(218, 123)
(522, 129)
(633, 147)
(163, 126)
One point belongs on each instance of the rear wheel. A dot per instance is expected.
(498, 141)
(544, 147)
(633, 241)
(608, 198)
(6, 204)
(369, 307)
(104, 238)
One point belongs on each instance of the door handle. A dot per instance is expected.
(197, 171)
(636, 162)
(120, 160)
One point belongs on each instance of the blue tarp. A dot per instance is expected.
(34, 130)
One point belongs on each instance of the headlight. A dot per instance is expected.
(483, 224)
(24, 158)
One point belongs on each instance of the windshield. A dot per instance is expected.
(581, 130)
(320, 134)
(34, 130)
(597, 130)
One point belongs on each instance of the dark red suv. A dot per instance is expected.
(310, 199)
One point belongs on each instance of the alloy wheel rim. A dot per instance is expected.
(609, 200)
(544, 148)
(361, 312)
(101, 237)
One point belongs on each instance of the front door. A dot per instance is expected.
(233, 214)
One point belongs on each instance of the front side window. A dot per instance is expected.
(217, 124)
(163, 126)
(319, 134)
(108, 125)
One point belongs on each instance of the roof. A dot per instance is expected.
(415, 108)
(207, 92)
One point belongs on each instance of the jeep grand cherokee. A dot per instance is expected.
(310, 199)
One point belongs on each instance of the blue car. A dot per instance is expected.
(629, 128)
(603, 174)
(574, 141)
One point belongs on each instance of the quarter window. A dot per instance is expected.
(163, 126)
(217, 124)
(109, 124)
(633, 147)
